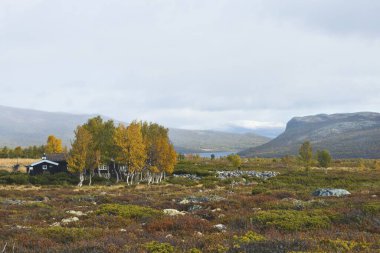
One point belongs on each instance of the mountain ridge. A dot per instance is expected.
(25, 127)
(346, 135)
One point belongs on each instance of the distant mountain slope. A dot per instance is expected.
(202, 140)
(348, 135)
(23, 127)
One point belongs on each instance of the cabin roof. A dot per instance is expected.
(43, 161)
(56, 157)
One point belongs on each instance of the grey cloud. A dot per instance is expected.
(337, 17)
(189, 64)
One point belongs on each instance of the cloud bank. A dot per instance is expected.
(191, 64)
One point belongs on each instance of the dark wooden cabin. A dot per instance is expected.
(51, 163)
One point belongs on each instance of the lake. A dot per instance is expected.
(217, 154)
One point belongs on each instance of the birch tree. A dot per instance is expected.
(131, 149)
(79, 155)
(53, 145)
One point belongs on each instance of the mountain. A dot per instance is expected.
(24, 127)
(212, 141)
(346, 135)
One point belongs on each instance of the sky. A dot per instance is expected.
(191, 64)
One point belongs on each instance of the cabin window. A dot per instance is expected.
(44, 167)
(103, 167)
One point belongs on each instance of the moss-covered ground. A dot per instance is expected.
(275, 215)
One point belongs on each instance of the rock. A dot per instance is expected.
(173, 212)
(76, 213)
(22, 227)
(55, 224)
(198, 234)
(220, 227)
(239, 173)
(188, 176)
(373, 196)
(69, 220)
(13, 202)
(196, 200)
(195, 208)
(216, 198)
(326, 192)
(184, 202)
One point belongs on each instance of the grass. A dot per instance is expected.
(8, 163)
(275, 215)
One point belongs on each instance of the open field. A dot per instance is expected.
(8, 163)
(244, 214)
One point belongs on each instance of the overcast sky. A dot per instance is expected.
(191, 64)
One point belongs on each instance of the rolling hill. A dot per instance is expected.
(346, 135)
(24, 127)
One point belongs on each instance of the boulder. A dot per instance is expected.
(76, 213)
(326, 192)
(195, 208)
(69, 220)
(173, 212)
(220, 227)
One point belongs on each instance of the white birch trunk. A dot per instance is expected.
(81, 179)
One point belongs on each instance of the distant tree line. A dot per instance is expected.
(138, 152)
(53, 145)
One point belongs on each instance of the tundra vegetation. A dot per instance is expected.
(49, 213)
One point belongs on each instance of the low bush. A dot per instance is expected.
(44, 179)
(249, 237)
(65, 234)
(209, 182)
(372, 208)
(339, 245)
(14, 178)
(128, 211)
(177, 224)
(291, 220)
(182, 181)
(61, 178)
(158, 247)
(259, 190)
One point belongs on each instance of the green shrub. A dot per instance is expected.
(14, 178)
(195, 250)
(249, 237)
(61, 178)
(157, 247)
(210, 182)
(128, 211)
(259, 190)
(64, 234)
(339, 245)
(182, 181)
(291, 220)
(38, 205)
(372, 208)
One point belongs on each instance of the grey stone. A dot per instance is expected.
(220, 227)
(327, 192)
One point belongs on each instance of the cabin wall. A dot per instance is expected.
(51, 168)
